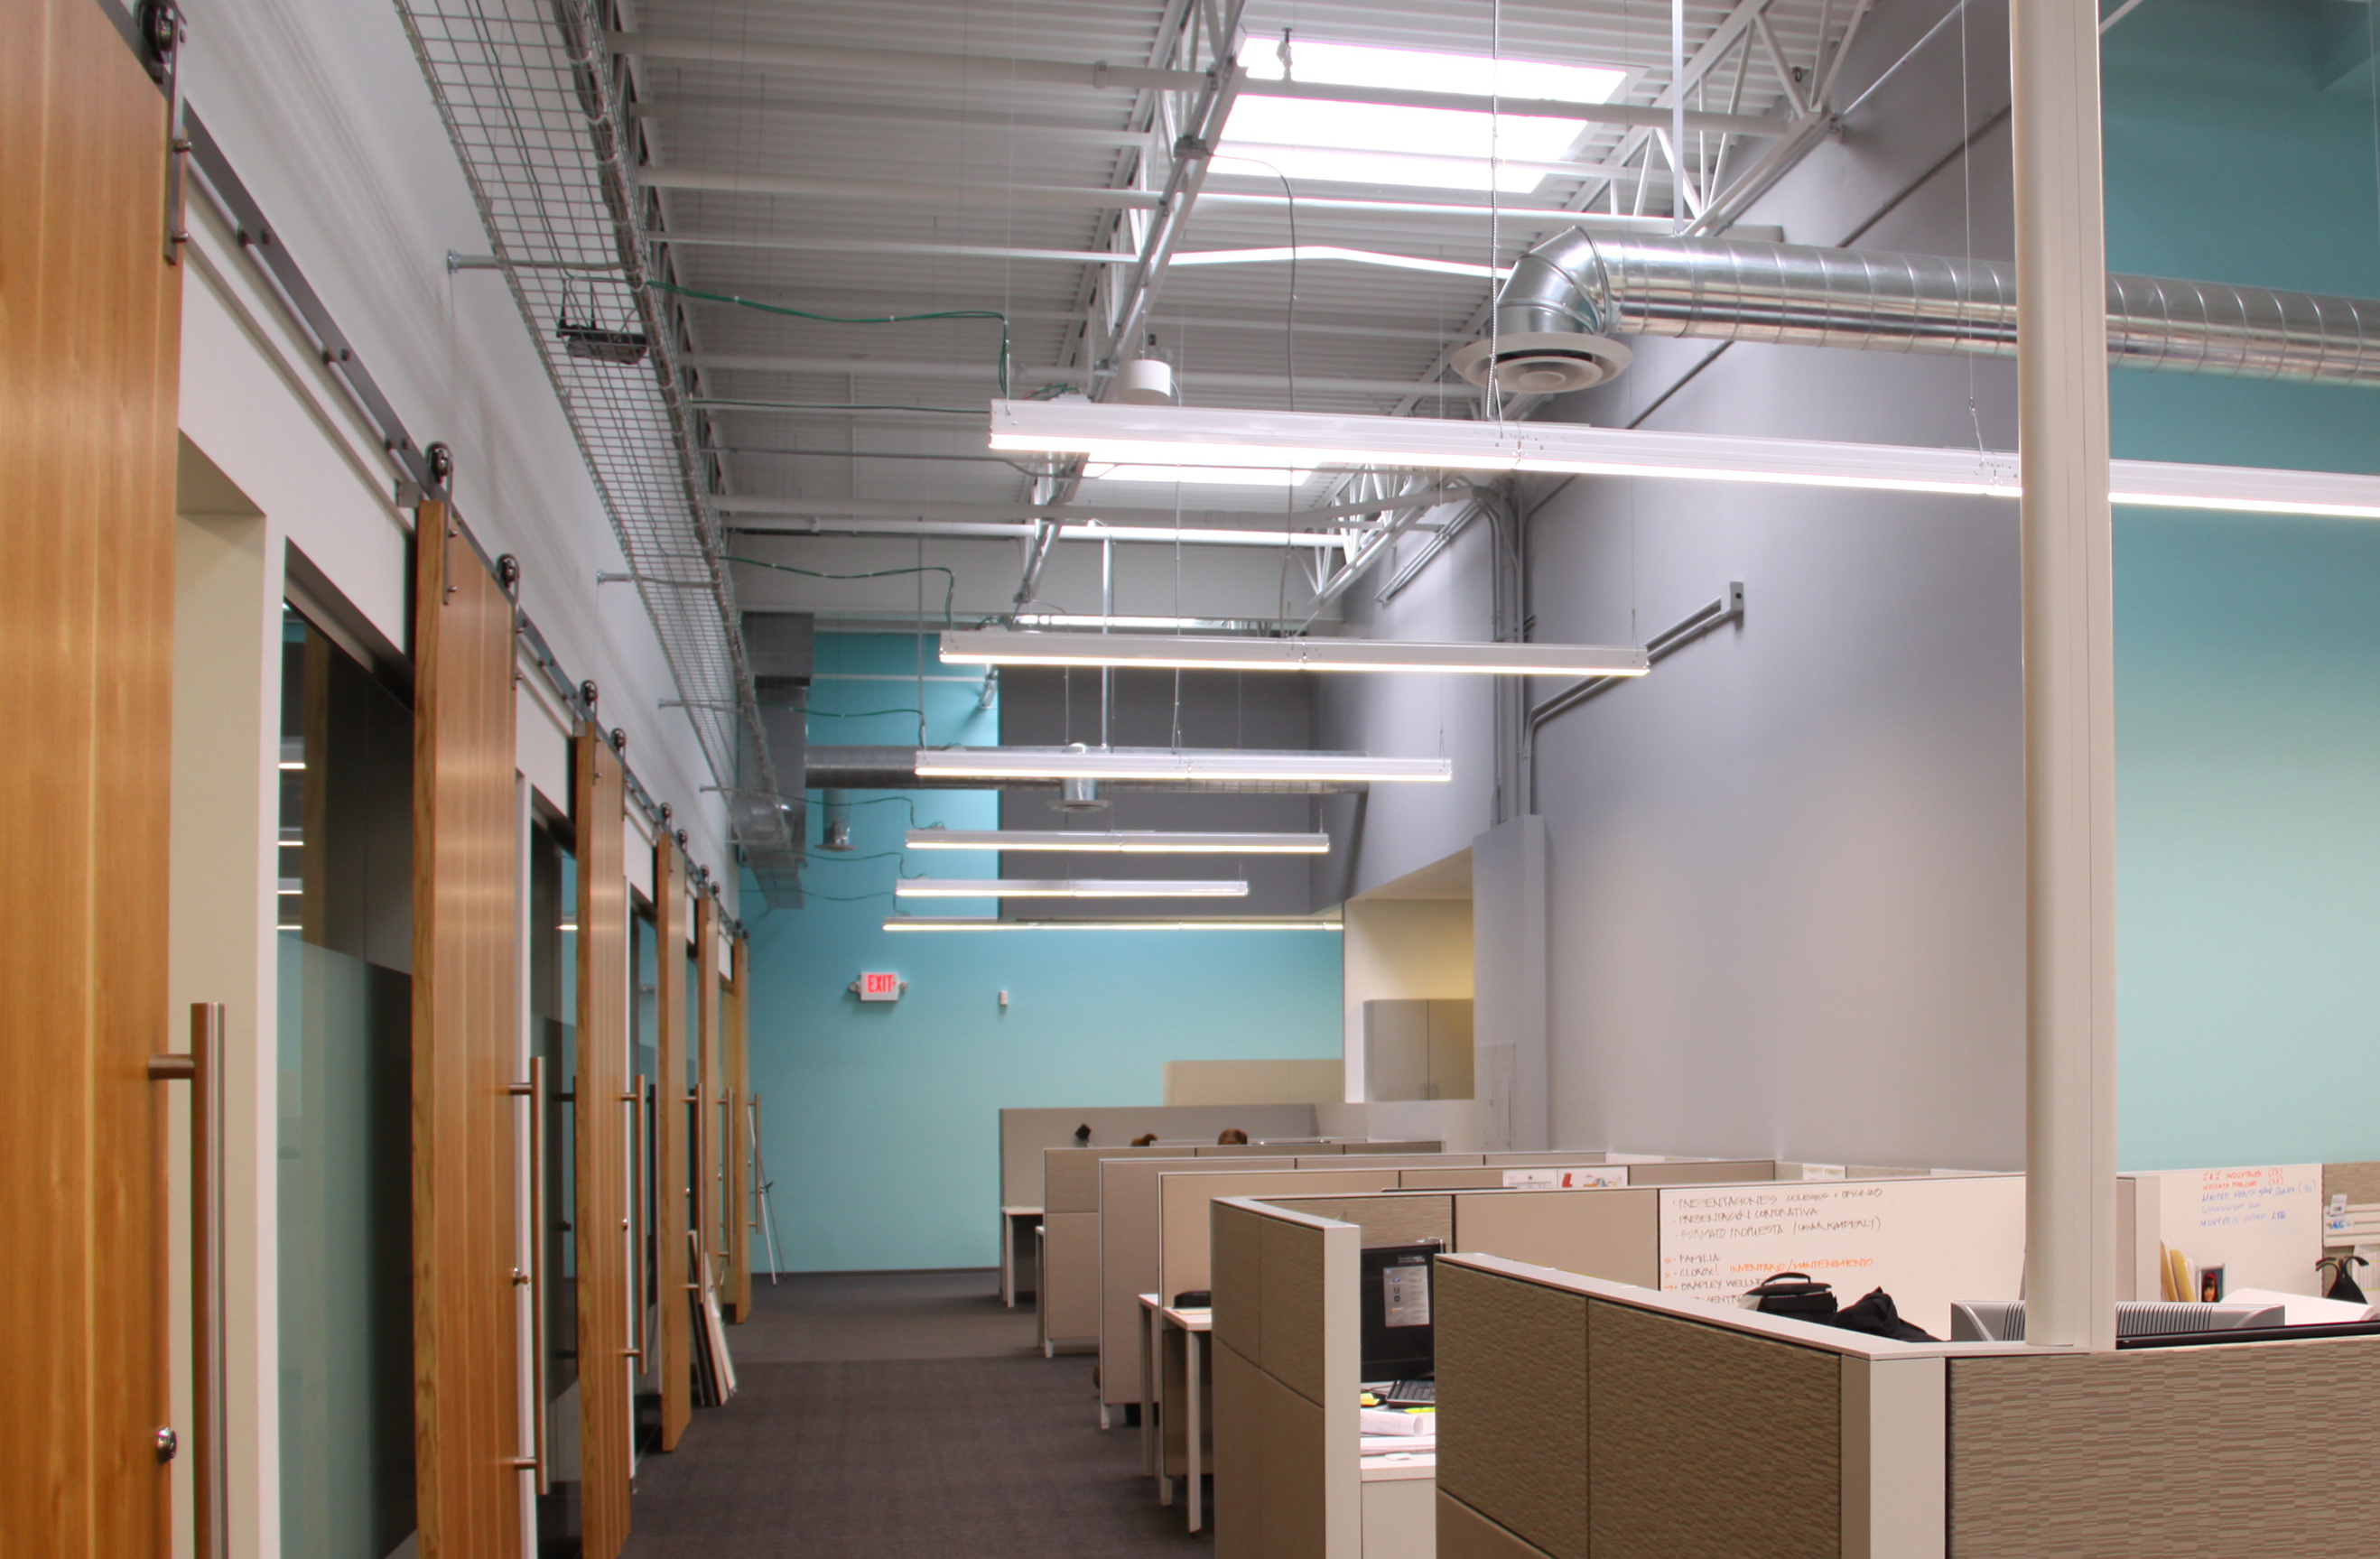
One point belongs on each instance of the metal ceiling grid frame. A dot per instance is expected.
(1051, 165)
(530, 102)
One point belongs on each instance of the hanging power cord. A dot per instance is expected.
(949, 580)
(674, 288)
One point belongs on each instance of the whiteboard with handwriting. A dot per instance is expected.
(2261, 1224)
(1924, 1241)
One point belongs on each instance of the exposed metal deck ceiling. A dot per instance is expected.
(931, 157)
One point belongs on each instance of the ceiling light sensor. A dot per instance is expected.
(1544, 362)
(1146, 382)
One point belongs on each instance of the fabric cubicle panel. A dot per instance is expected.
(1182, 1225)
(2228, 1448)
(1069, 1298)
(1128, 1263)
(1582, 1419)
(1708, 1172)
(1613, 1232)
(1023, 1133)
(1512, 1342)
(1389, 1219)
(1287, 1475)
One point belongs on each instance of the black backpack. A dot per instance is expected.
(1798, 1295)
(1803, 1298)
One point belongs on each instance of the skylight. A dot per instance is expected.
(1428, 148)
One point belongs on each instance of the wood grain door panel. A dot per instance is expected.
(602, 1230)
(89, 320)
(466, 956)
(672, 1153)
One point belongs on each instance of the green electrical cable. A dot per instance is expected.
(854, 319)
(950, 582)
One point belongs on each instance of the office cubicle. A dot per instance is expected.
(1585, 1417)
(1025, 1133)
(1069, 1300)
(1177, 1234)
(1133, 1228)
(1690, 1238)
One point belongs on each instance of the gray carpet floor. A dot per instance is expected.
(900, 1416)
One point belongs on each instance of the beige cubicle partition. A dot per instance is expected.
(1971, 1226)
(1289, 1482)
(1147, 1247)
(1590, 1419)
(1023, 1133)
(1128, 1263)
(1069, 1298)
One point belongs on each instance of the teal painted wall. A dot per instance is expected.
(2248, 650)
(880, 1123)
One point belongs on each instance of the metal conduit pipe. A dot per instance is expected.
(1567, 296)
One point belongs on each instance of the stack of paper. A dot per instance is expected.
(1400, 1420)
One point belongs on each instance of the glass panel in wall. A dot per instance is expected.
(344, 1126)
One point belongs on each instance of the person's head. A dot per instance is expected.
(1083, 1136)
(1147, 1139)
(1232, 1138)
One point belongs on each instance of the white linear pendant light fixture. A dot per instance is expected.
(1051, 888)
(1195, 652)
(1119, 842)
(1176, 766)
(1194, 435)
(992, 923)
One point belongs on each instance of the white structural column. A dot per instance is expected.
(2069, 677)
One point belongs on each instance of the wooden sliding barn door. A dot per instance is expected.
(675, 1366)
(709, 1153)
(605, 1116)
(739, 1134)
(466, 954)
(89, 316)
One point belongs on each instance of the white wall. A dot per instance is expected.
(323, 111)
(1401, 949)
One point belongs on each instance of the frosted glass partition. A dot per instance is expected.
(344, 1124)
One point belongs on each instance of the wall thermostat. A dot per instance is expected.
(879, 986)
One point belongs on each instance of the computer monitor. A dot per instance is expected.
(2003, 1321)
(1397, 1342)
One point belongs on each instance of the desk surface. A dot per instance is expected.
(1189, 1320)
(1019, 1211)
(1395, 1465)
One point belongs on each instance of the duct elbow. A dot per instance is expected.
(1550, 319)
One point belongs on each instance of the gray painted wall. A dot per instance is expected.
(1039, 706)
(1785, 870)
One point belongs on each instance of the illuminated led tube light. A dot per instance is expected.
(1051, 888)
(1119, 842)
(990, 922)
(1192, 435)
(1217, 765)
(996, 648)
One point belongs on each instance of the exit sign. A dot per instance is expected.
(880, 987)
